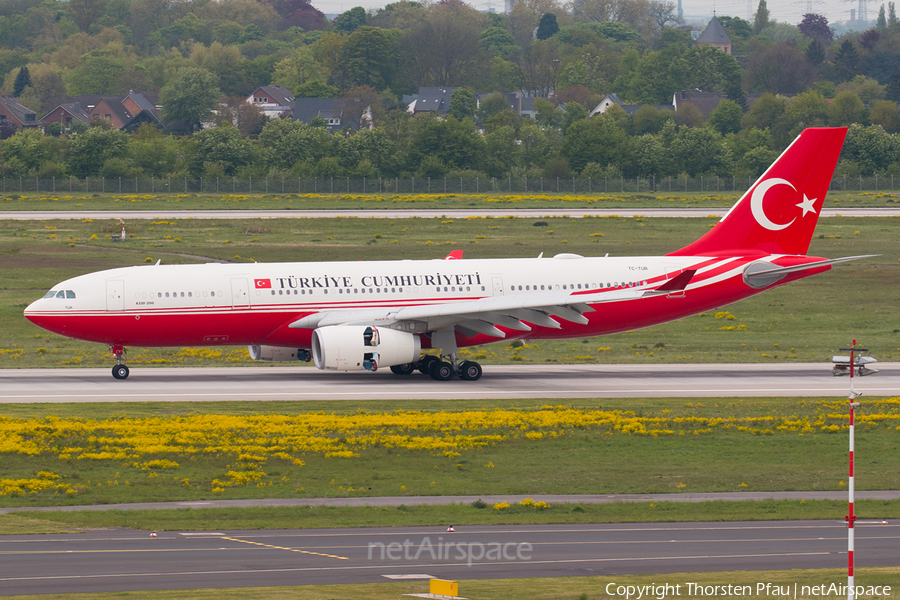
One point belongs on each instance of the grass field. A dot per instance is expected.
(96, 454)
(804, 321)
(317, 517)
(567, 588)
(486, 201)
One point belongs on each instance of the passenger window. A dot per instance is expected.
(70, 294)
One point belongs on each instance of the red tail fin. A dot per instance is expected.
(779, 213)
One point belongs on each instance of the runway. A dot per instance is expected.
(110, 561)
(529, 213)
(148, 384)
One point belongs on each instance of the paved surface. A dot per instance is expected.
(109, 561)
(489, 499)
(500, 381)
(169, 213)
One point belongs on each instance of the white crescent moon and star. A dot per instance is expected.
(756, 204)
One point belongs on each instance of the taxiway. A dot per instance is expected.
(110, 561)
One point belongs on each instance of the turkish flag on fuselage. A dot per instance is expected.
(262, 283)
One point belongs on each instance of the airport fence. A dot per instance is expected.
(445, 185)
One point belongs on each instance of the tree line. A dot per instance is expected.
(567, 58)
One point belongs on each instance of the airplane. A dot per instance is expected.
(368, 315)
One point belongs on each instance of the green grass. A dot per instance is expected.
(321, 517)
(64, 200)
(766, 455)
(550, 588)
(804, 321)
(31, 524)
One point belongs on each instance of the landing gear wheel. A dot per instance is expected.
(120, 372)
(441, 371)
(404, 369)
(424, 364)
(470, 371)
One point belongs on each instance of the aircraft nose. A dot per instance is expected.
(31, 311)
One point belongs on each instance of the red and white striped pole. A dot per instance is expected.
(851, 517)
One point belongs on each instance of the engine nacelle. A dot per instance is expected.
(277, 354)
(357, 348)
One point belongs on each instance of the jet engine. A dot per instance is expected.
(277, 354)
(357, 348)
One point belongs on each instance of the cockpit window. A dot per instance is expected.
(50, 294)
(70, 294)
(60, 294)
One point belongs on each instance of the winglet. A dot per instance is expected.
(455, 255)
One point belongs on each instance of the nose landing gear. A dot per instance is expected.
(120, 370)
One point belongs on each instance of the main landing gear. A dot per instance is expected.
(440, 369)
(120, 370)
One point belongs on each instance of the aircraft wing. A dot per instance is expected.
(513, 311)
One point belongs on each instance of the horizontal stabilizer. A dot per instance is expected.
(762, 274)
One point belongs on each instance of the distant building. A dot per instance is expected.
(124, 112)
(332, 111)
(275, 101)
(519, 103)
(630, 109)
(707, 101)
(12, 111)
(432, 99)
(66, 114)
(714, 35)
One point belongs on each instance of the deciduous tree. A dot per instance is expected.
(597, 140)
(816, 27)
(726, 117)
(224, 146)
(98, 73)
(779, 69)
(846, 109)
(462, 104)
(351, 20)
(547, 27)
(85, 12)
(190, 97)
(89, 150)
(444, 47)
(886, 114)
(366, 58)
